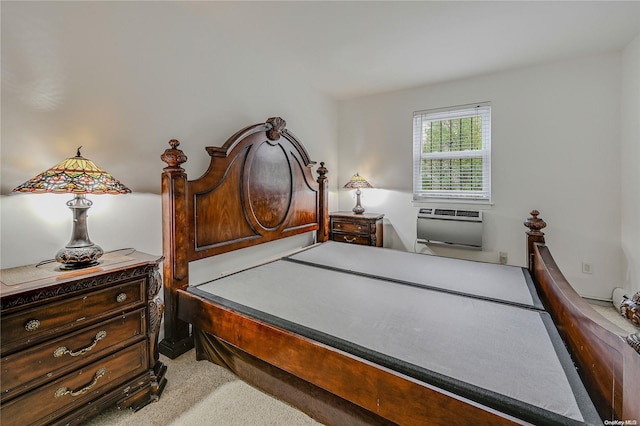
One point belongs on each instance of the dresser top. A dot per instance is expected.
(30, 277)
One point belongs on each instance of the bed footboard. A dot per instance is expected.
(607, 358)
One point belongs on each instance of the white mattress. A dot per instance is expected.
(509, 284)
(494, 349)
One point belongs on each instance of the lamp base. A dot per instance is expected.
(80, 252)
(358, 209)
(79, 257)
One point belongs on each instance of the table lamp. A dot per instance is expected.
(356, 182)
(76, 175)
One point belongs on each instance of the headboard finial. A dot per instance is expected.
(277, 127)
(322, 171)
(535, 224)
(173, 156)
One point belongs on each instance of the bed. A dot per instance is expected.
(360, 335)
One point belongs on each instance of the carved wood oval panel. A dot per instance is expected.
(270, 185)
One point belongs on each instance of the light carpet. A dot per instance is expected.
(203, 393)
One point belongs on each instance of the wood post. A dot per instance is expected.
(323, 204)
(175, 236)
(534, 235)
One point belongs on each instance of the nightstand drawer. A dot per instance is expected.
(365, 229)
(44, 404)
(29, 368)
(350, 238)
(350, 227)
(29, 325)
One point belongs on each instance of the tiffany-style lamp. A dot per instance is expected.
(79, 176)
(356, 182)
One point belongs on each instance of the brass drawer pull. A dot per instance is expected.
(66, 391)
(32, 325)
(61, 351)
(349, 240)
(121, 297)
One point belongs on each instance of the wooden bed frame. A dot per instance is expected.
(259, 188)
(607, 357)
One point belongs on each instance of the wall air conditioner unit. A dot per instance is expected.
(458, 228)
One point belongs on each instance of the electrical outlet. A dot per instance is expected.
(586, 268)
(503, 257)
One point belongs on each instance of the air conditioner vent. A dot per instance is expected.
(467, 213)
(446, 212)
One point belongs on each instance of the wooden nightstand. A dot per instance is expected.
(75, 342)
(365, 229)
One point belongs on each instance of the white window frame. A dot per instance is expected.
(422, 118)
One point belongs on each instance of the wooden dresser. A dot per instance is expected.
(365, 229)
(75, 342)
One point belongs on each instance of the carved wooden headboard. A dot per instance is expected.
(258, 188)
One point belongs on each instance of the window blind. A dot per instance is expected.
(452, 153)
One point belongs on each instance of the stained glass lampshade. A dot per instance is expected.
(357, 182)
(80, 176)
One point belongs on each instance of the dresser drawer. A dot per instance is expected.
(77, 342)
(48, 402)
(26, 369)
(350, 227)
(34, 324)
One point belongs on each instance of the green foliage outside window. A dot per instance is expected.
(449, 136)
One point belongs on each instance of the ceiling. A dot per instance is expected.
(343, 48)
(355, 48)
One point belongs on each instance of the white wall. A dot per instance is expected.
(35, 227)
(122, 79)
(555, 148)
(630, 182)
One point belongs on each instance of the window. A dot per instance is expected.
(452, 154)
